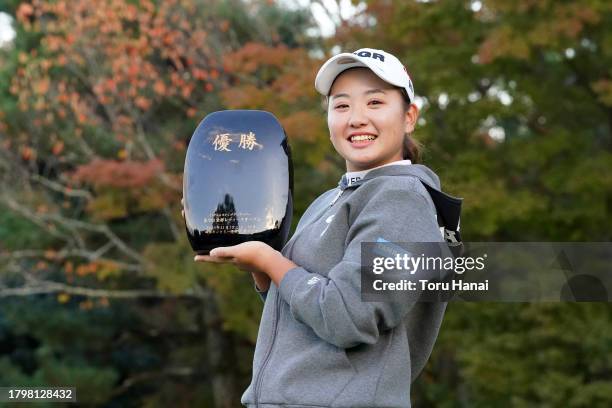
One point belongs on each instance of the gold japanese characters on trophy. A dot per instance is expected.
(246, 141)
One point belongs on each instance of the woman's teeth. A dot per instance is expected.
(360, 138)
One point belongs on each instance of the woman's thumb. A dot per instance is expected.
(219, 252)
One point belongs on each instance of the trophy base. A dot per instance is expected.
(202, 244)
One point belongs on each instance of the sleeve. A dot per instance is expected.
(332, 305)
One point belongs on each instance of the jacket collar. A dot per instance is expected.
(399, 168)
(353, 177)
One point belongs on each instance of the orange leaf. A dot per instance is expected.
(24, 11)
(57, 148)
(42, 87)
(224, 26)
(27, 153)
(143, 103)
(159, 87)
(81, 270)
(86, 305)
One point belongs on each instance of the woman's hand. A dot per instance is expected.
(249, 256)
(253, 256)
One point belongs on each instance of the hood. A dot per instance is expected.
(448, 208)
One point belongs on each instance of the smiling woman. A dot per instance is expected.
(319, 344)
(7, 34)
(368, 119)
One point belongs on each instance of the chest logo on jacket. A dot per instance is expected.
(328, 222)
(313, 280)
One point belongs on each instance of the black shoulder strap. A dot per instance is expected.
(448, 209)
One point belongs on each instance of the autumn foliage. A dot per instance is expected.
(124, 62)
(119, 174)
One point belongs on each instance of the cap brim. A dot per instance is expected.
(333, 67)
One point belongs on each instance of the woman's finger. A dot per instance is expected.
(213, 259)
(222, 252)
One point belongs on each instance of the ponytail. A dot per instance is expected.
(411, 149)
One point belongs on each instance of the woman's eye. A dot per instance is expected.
(375, 102)
(341, 106)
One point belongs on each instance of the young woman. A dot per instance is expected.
(319, 344)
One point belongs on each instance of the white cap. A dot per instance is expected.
(384, 65)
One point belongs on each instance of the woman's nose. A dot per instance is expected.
(357, 118)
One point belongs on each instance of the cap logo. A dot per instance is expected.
(369, 54)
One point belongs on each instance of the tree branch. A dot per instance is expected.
(38, 287)
(55, 186)
(51, 229)
(173, 228)
(67, 253)
(74, 225)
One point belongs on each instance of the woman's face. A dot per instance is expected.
(367, 119)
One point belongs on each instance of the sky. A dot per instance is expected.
(6, 31)
(327, 23)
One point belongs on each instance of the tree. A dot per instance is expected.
(98, 106)
(516, 119)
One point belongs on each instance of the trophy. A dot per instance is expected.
(238, 181)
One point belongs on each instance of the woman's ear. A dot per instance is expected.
(412, 115)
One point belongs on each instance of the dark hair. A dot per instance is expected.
(411, 148)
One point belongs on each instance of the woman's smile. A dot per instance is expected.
(360, 140)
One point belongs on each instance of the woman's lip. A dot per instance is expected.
(361, 143)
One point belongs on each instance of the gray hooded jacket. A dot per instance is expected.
(319, 345)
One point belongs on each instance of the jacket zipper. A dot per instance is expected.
(259, 378)
(336, 197)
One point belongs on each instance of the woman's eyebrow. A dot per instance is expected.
(371, 91)
(341, 95)
(368, 92)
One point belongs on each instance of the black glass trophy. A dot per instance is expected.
(238, 181)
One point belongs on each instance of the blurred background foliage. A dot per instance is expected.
(98, 101)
